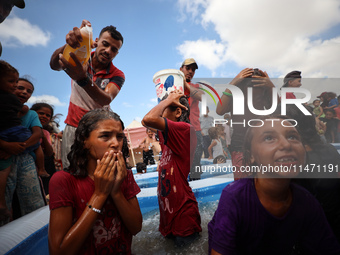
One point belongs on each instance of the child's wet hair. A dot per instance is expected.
(185, 113)
(89, 122)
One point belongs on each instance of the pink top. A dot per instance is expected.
(47, 135)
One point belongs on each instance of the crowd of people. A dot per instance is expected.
(27, 156)
(94, 193)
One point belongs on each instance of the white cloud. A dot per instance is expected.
(127, 104)
(154, 102)
(139, 119)
(278, 36)
(15, 32)
(208, 52)
(46, 99)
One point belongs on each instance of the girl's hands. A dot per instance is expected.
(120, 173)
(110, 174)
(104, 174)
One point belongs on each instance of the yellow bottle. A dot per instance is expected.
(83, 52)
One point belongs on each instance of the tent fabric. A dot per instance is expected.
(135, 136)
(134, 124)
(135, 133)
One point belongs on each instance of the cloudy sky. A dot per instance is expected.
(224, 36)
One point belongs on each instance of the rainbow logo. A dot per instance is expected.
(209, 93)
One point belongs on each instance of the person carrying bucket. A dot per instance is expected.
(179, 216)
(94, 86)
(189, 67)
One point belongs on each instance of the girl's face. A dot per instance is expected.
(276, 145)
(24, 91)
(106, 137)
(9, 82)
(45, 115)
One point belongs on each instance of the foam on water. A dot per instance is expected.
(150, 241)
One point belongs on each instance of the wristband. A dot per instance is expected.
(94, 209)
(84, 82)
(227, 94)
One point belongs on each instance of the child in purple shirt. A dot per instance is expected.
(268, 214)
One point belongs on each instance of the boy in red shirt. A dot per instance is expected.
(179, 215)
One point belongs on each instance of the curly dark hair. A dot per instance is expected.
(185, 113)
(38, 106)
(79, 154)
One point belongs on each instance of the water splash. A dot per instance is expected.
(150, 241)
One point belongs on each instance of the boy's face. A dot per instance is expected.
(150, 133)
(316, 103)
(296, 83)
(9, 83)
(189, 72)
(172, 115)
(329, 115)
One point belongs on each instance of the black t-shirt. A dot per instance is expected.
(10, 106)
(324, 186)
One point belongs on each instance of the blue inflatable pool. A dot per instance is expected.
(28, 235)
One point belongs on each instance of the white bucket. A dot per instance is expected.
(168, 80)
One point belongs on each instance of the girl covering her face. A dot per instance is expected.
(93, 203)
